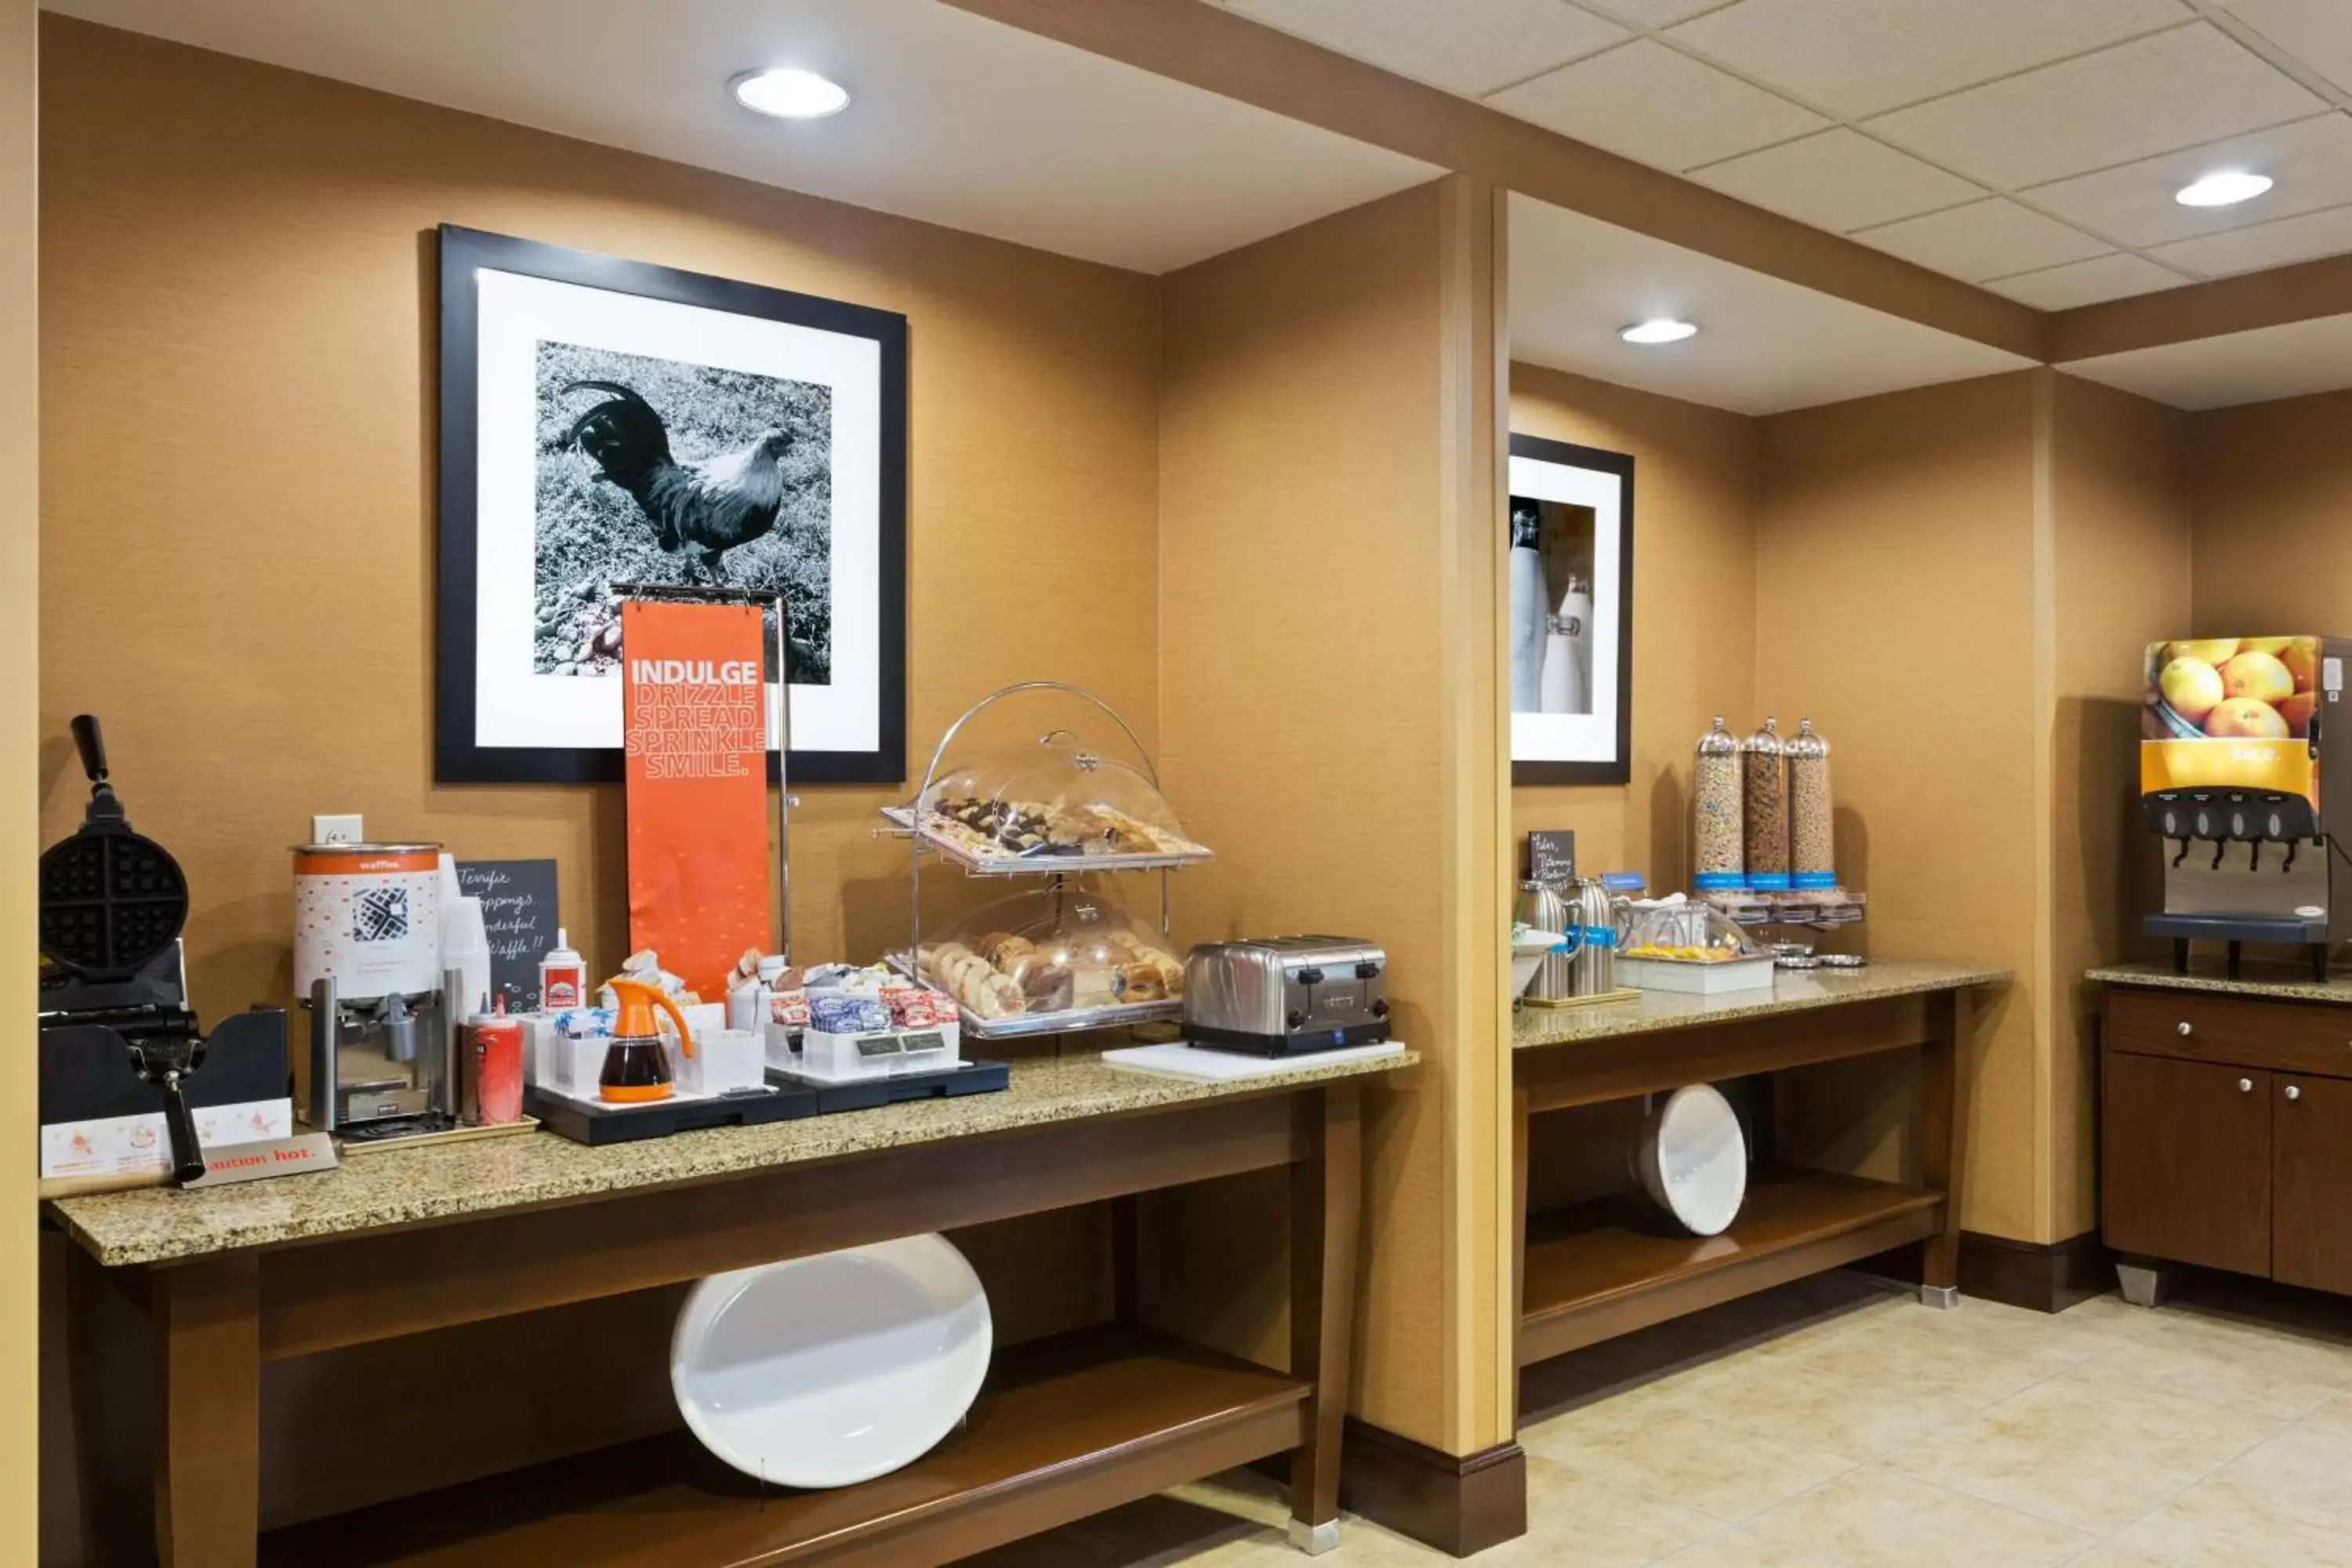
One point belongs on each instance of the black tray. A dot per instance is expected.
(597, 1125)
(790, 1097)
(972, 1077)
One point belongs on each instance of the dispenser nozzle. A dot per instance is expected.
(2254, 862)
(2291, 846)
(2220, 848)
(2176, 859)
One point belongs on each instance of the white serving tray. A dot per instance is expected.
(1694, 977)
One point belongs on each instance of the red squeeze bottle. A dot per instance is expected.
(498, 1056)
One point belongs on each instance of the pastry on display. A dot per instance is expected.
(1049, 803)
(1051, 951)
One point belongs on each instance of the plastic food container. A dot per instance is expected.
(1052, 804)
(1812, 861)
(1764, 800)
(1691, 946)
(1059, 956)
(1719, 841)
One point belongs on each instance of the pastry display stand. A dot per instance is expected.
(906, 822)
(170, 1354)
(1599, 1269)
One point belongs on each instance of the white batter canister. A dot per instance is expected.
(367, 916)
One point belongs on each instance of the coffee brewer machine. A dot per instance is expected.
(385, 1016)
(2244, 778)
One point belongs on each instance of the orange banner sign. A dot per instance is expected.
(697, 778)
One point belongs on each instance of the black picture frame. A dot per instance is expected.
(1619, 769)
(458, 757)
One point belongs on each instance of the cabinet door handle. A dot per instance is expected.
(2293, 1091)
(2245, 1086)
(2187, 1029)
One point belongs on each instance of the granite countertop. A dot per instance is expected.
(1794, 991)
(407, 1187)
(2281, 982)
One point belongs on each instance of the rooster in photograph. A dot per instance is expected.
(708, 506)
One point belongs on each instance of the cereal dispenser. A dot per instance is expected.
(2237, 782)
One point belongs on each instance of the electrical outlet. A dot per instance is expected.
(337, 829)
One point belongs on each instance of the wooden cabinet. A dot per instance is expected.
(2311, 1182)
(2188, 1162)
(2226, 1134)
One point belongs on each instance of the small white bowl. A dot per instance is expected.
(1693, 1159)
(1528, 956)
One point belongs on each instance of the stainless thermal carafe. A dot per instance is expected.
(1543, 907)
(1596, 953)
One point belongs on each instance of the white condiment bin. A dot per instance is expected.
(1694, 977)
(891, 1053)
(725, 1061)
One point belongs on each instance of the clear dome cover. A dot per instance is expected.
(1048, 952)
(1050, 802)
(1690, 931)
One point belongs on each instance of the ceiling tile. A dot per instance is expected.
(2311, 160)
(1653, 13)
(1854, 58)
(1646, 102)
(2279, 244)
(1984, 239)
(1838, 180)
(2087, 282)
(2316, 32)
(1468, 46)
(2175, 89)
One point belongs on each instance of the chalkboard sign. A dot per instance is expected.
(1551, 856)
(519, 911)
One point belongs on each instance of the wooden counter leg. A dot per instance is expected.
(1518, 1241)
(207, 1327)
(1943, 1097)
(1326, 1203)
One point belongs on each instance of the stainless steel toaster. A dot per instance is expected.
(1286, 995)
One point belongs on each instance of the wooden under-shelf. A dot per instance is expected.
(1066, 1427)
(1607, 1268)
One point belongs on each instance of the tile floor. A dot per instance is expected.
(1835, 1423)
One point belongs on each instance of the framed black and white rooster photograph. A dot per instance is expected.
(608, 423)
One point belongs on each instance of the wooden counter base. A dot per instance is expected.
(1601, 1269)
(1066, 1429)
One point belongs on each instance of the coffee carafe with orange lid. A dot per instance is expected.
(636, 1065)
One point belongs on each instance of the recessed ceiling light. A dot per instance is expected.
(1659, 330)
(2226, 188)
(790, 93)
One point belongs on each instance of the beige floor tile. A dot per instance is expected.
(1948, 1366)
(1675, 1450)
(2284, 1502)
(1782, 1399)
(1362, 1544)
(2283, 1377)
(2084, 1451)
(1876, 1518)
(2335, 1415)
(1739, 1547)
(1577, 1519)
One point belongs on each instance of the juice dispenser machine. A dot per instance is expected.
(2243, 777)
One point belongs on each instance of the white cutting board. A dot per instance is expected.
(1180, 1060)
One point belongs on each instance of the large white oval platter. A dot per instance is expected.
(832, 1370)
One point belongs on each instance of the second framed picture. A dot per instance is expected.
(610, 422)
(1572, 613)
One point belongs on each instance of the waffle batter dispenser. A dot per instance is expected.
(2245, 774)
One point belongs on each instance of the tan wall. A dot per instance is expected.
(1300, 480)
(19, 757)
(2121, 578)
(1895, 606)
(2270, 485)
(238, 413)
(237, 420)
(1695, 611)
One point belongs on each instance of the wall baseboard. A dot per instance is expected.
(2039, 1276)
(1460, 1504)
